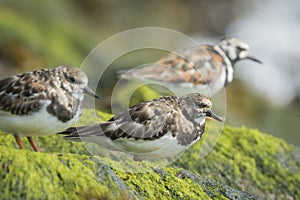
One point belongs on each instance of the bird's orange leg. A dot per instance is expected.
(18, 140)
(33, 145)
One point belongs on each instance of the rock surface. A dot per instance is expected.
(242, 160)
(251, 161)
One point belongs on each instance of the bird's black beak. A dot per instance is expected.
(253, 58)
(90, 92)
(212, 116)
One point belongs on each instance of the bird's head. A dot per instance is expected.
(236, 50)
(78, 81)
(197, 108)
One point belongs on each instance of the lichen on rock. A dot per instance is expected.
(242, 160)
(30, 175)
(251, 161)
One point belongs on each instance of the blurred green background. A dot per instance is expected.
(38, 34)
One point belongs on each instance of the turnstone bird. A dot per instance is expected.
(42, 102)
(204, 68)
(159, 128)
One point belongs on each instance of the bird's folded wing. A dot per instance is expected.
(147, 121)
(196, 65)
(21, 95)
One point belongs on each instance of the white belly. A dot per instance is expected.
(36, 124)
(164, 147)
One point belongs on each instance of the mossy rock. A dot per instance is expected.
(29, 175)
(66, 170)
(258, 163)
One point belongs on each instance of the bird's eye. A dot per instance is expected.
(200, 105)
(72, 79)
(240, 49)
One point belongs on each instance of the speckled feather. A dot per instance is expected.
(41, 102)
(197, 66)
(25, 93)
(183, 66)
(152, 120)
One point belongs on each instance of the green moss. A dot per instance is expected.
(244, 159)
(154, 182)
(30, 175)
(52, 175)
(249, 160)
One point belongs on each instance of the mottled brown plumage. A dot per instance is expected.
(22, 94)
(203, 67)
(182, 119)
(50, 97)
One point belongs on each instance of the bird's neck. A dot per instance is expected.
(228, 65)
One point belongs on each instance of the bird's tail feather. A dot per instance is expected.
(99, 129)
